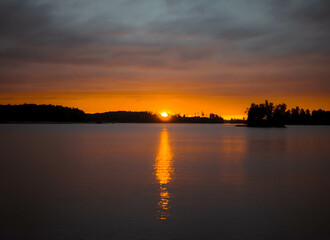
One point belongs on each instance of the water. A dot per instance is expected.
(164, 181)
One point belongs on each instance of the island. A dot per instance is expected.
(270, 115)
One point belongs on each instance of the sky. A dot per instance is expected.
(187, 56)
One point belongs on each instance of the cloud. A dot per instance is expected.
(103, 31)
(228, 47)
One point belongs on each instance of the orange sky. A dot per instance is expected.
(224, 89)
(227, 107)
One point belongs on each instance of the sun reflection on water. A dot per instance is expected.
(164, 172)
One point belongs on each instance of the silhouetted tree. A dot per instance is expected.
(268, 115)
(36, 113)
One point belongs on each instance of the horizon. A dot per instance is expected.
(170, 113)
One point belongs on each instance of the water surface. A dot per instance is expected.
(164, 181)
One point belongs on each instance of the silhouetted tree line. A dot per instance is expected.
(148, 117)
(51, 113)
(122, 117)
(40, 113)
(213, 118)
(270, 115)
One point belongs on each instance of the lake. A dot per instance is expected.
(164, 181)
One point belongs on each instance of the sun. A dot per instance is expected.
(164, 114)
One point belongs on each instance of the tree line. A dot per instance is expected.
(259, 115)
(52, 113)
(40, 113)
(149, 117)
(270, 115)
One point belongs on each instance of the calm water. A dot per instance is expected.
(164, 181)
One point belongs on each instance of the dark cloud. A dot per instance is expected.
(165, 37)
(263, 28)
(39, 31)
(81, 32)
(23, 19)
(313, 12)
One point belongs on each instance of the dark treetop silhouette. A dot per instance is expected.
(149, 117)
(40, 113)
(51, 113)
(270, 115)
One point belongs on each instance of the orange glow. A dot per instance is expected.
(163, 166)
(207, 87)
(164, 170)
(229, 117)
(225, 106)
(164, 114)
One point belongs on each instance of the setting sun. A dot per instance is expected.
(164, 114)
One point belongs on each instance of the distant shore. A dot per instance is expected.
(50, 122)
(265, 115)
(32, 113)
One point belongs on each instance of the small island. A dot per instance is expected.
(271, 115)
